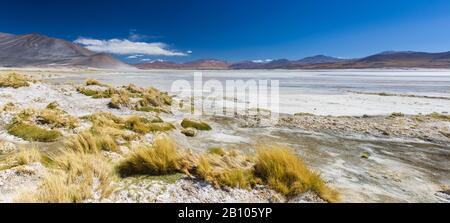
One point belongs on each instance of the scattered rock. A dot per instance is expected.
(365, 155)
(199, 125)
(190, 132)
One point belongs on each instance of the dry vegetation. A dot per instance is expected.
(14, 80)
(277, 167)
(74, 177)
(149, 99)
(27, 124)
(158, 159)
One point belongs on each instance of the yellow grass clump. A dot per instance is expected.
(286, 173)
(158, 159)
(121, 99)
(14, 80)
(74, 177)
(92, 81)
(24, 156)
(223, 172)
(87, 142)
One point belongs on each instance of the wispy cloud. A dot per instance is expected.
(135, 56)
(127, 47)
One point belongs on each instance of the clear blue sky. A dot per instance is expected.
(239, 30)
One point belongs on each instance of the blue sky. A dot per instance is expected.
(236, 30)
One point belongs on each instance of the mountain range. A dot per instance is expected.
(36, 50)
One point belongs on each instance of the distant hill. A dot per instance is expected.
(391, 59)
(39, 50)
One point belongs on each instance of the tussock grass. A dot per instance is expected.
(158, 159)
(121, 99)
(14, 80)
(56, 118)
(32, 132)
(199, 125)
(88, 142)
(75, 177)
(286, 173)
(221, 173)
(24, 156)
(92, 81)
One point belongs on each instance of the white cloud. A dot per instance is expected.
(189, 51)
(262, 61)
(135, 56)
(127, 47)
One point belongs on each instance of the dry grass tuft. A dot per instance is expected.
(92, 81)
(76, 177)
(14, 80)
(285, 172)
(87, 142)
(56, 118)
(121, 99)
(221, 172)
(24, 156)
(158, 159)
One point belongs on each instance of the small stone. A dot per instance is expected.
(190, 132)
(365, 155)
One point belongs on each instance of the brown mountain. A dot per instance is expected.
(39, 50)
(391, 59)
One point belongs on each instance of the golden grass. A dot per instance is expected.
(199, 125)
(75, 177)
(14, 80)
(56, 118)
(220, 173)
(158, 159)
(286, 173)
(121, 99)
(32, 132)
(91, 81)
(87, 142)
(24, 156)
